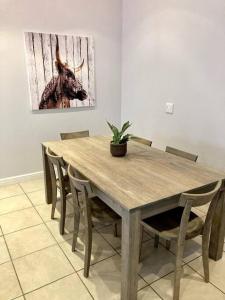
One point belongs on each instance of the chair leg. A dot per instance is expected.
(141, 239)
(76, 229)
(88, 247)
(54, 200)
(115, 229)
(63, 212)
(168, 244)
(156, 242)
(178, 270)
(205, 256)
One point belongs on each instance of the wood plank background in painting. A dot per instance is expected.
(41, 57)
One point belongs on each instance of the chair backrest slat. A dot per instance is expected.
(177, 152)
(74, 135)
(141, 140)
(59, 163)
(80, 185)
(200, 199)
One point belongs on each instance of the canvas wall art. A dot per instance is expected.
(60, 70)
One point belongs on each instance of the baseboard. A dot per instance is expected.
(21, 178)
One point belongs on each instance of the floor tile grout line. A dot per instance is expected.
(18, 297)
(149, 286)
(13, 211)
(85, 286)
(28, 198)
(12, 262)
(144, 287)
(34, 206)
(77, 271)
(5, 234)
(58, 279)
(8, 260)
(209, 280)
(185, 264)
(118, 253)
(82, 268)
(17, 258)
(33, 191)
(143, 279)
(106, 240)
(22, 229)
(20, 194)
(115, 249)
(59, 247)
(58, 243)
(154, 281)
(66, 256)
(156, 292)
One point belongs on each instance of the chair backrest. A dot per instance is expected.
(188, 200)
(80, 185)
(200, 199)
(83, 188)
(181, 153)
(141, 140)
(74, 135)
(58, 162)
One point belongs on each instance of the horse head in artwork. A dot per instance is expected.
(64, 87)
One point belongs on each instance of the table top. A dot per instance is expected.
(143, 176)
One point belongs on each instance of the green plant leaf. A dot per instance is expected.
(125, 138)
(115, 132)
(118, 137)
(125, 126)
(110, 126)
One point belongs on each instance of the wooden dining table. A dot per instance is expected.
(145, 182)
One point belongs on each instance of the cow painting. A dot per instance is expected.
(63, 88)
(61, 71)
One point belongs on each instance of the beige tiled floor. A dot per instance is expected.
(36, 262)
(14, 203)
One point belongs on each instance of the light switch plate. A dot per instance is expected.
(169, 108)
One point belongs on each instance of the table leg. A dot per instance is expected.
(47, 177)
(218, 228)
(130, 255)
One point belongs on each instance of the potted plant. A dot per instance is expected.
(118, 145)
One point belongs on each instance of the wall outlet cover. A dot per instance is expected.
(169, 108)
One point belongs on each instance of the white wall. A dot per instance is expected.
(22, 131)
(172, 51)
(175, 51)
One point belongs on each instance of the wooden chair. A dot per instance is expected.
(87, 203)
(60, 181)
(74, 135)
(181, 153)
(141, 140)
(181, 224)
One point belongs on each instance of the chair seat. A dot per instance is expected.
(167, 224)
(102, 212)
(66, 181)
